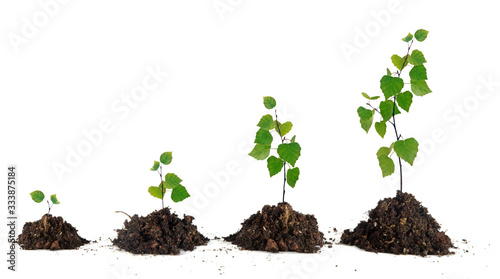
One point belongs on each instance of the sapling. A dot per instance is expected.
(392, 85)
(172, 182)
(288, 150)
(38, 197)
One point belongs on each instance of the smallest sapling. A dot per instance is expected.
(172, 182)
(288, 150)
(38, 197)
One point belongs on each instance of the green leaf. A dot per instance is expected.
(285, 128)
(397, 61)
(274, 165)
(289, 152)
(420, 87)
(386, 109)
(418, 73)
(365, 118)
(260, 151)
(421, 35)
(263, 137)
(407, 38)
(156, 165)
(386, 165)
(37, 196)
(166, 158)
(406, 149)
(171, 181)
(269, 102)
(391, 86)
(389, 72)
(292, 175)
(179, 193)
(417, 57)
(54, 200)
(266, 122)
(381, 127)
(404, 100)
(368, 97)
(384, 151)
(293, 139)
(155, 192)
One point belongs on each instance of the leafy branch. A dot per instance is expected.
(392, 86)
(172, 182)
(288, 150)
(39, 196)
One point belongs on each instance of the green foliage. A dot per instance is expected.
(266, 122)
(406, 149)
(404, 100)
(292, 175)
(274, 165)
(421, 35)
(392, 86)
(370, 98)
(269, 102)
(171, 182)
(38, 196)
(407, 38)
(381, 128)
(365, 118)
(288, 150)
(179, 193)
(54, 200)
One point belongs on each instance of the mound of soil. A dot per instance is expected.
(50, 233)
(279, 228)
(399, 225)
(160, 232)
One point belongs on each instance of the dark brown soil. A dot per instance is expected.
(160, 232)
(279, 228)
(399, 225)
(50, 233)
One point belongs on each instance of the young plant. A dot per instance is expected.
(395, 99)
(288, 150)
(172, 182)
(38, 197)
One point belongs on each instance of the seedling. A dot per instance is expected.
(392, 86)
(38, 197)
(288, 150)
(172, 182)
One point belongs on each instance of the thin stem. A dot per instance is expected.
(161, 187)
(284, 163)
(398, 136)
(378, 111)
(50, 207)
(123, 213)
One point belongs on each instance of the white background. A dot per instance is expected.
(73, 71)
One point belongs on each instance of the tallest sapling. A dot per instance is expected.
(395, 98)
(288, 150)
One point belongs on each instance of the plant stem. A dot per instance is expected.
(123, 213)
(161, 187)
(284, 163)
(50, 207)
(398, 136)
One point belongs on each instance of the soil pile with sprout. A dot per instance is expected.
(279, 228)
(399, 225)
(160, 232)
(50, 233)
